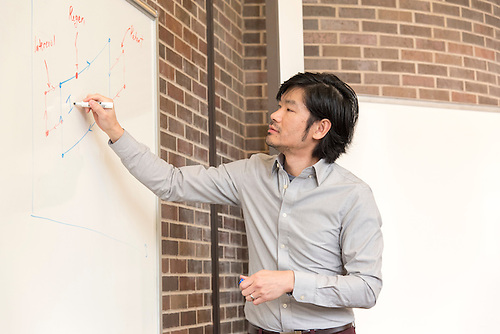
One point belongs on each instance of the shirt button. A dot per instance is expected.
(284, 215)
(285, 305)
(310, 176)
(285, 186)
(282, 246)
(301, 297)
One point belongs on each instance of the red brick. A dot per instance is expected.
(475, 63)
(339, 25)
(370, 26)
(462, 97)
(484, 53)
(395, 15)
(447, 59)
(414, 30)
(366, 90)
(447, 9)
(341, 51)
(170, 320)
(462, 73)
(417, 5)
(397, 41)
(178, 302)
(358, 39)
(487, 100)
(447, 35)
(429, 20)
(381, 3)
(396, 66)
(418, 81)
(475, 87)
(320, 38)
(434, 94)
(427, 44)
(402, 92)
(460, 49)
(319, 11)
(432, 69)
(449, 84)
(380, 53)
(359, 65)
(382, 79)
(357, 13)
(417, 55)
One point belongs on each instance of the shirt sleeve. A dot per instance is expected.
(190, 183)
(361, 247)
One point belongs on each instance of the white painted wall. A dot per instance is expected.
(434, 171)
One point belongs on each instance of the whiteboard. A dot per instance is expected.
(78, 234)
(434, 171)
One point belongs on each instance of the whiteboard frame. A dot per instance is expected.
(153, 15)
(146, 9)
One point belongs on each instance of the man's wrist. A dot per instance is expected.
(116, 134)
(292, 282)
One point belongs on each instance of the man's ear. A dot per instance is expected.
(321, 128)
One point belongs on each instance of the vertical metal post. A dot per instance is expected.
(273, 54)
(212, 156)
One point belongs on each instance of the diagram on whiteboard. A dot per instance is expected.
(71, 58)
(82, 66)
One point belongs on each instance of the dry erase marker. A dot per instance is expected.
(87, 105)
(241, 280)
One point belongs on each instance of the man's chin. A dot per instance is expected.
(269, 141)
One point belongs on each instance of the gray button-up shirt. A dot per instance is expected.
(324, 225)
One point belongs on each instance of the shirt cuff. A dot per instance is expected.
(304, 289)
(124, 146)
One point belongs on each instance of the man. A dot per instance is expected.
(313, 228)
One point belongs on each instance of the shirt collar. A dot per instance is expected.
(322, 170)
(278, 162)
(319, 170)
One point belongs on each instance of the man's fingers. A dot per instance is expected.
(97, 97)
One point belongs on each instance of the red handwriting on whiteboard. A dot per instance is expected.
(76, 63)
(76, 19)
(49, 127)
(42, 45)
(49, 85)
(133, 34)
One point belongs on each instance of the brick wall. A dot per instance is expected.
(229, 81)
(254, 41)
(184, 140)
(445, 51)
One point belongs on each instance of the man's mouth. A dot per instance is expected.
(272, 129)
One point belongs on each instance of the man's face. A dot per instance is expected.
(287, 130)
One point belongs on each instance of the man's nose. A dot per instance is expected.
(276, 115)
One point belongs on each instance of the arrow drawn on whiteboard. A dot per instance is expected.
(78, 142)
(89, 63)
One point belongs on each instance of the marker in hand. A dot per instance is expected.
(107, 105)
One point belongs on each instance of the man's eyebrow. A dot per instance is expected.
(292, 102)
